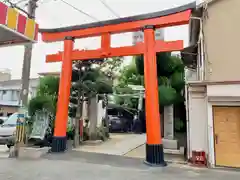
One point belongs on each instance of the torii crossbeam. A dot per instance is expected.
(104, 29)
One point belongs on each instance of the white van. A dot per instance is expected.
(8, 130)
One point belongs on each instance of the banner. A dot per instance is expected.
(40, 125)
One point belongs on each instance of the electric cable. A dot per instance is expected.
(79, 10)
(109, 8)
(20, 1)
(44, 2)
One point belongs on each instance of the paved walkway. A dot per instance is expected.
(92, 166)
(119, 144)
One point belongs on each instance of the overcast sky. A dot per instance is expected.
(54, 13)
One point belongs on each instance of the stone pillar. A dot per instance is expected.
(169, 142)
(168, 122)
(93, 118)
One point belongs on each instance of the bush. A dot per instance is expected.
(39, 103)
(179, 125)
(167, 95)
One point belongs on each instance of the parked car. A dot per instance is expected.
(118, 124)
(119, 119)
(8, 130)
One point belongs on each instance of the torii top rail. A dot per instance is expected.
(161, 19)
(147, 23)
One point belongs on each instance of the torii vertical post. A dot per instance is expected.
(59, 138)
(154, 147)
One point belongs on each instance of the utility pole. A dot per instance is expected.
(32, 5)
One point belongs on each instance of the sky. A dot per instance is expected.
(54, 13)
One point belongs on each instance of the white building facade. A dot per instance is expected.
(10, 95)
(213, 86)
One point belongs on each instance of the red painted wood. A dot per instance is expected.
(36, 32)
(22, 20)
(177, 19)
(3, 13)
(160, 46)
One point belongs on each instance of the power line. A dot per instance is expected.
(90, 16)
(20, 1)
(45, 2)
(110, 9)
(79, 10)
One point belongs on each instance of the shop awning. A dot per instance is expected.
(15, 28)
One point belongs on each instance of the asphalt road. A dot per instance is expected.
(4, 151)
(81, 165)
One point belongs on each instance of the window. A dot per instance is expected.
(12, 120)
(15, 95)
(112, 112)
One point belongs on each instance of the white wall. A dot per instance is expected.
(222, 95)
(224, 90)
(101, 112)
(200, 102)
(197, 132)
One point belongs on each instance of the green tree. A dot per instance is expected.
(48, 85)
(87, 81)
(111, 67)
(170, 78)
(170, 71)
(47, 94)
(128, 76)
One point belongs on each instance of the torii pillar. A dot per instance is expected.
(60, 139)
(154, 146)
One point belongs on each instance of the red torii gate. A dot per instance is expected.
(149, 48)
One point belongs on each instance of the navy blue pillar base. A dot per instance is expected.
(155, 155)
(59, 144)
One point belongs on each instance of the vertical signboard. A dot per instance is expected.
(139, 36)
(20, 130)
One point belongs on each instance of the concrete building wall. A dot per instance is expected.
(226, 95)
(202, 97)
(221, 35)
(10, 94)
(10, 90)
(5, 76)
(221, 29)
(223, 90)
